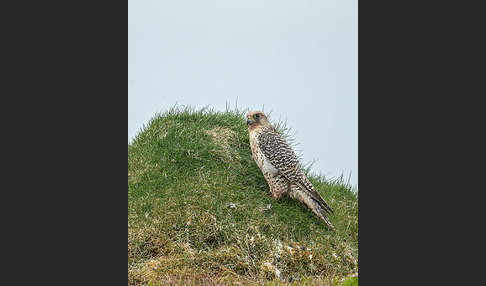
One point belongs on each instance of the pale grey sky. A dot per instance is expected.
(299, 59)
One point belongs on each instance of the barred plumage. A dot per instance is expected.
(280, 166)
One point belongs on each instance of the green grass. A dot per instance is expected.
(198, 211)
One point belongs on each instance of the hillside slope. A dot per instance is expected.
(199, 211)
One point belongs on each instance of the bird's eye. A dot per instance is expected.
(257, 115)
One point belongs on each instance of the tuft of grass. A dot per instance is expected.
(199, 210)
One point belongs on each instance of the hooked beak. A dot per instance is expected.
(249, 121)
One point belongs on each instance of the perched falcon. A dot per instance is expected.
(281, 167)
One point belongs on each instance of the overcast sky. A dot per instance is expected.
(298, 59)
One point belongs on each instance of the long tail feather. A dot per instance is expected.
(318, 206)
(323, 215)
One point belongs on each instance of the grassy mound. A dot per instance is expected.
(199, 211)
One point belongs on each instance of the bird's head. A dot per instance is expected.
(255, 118)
